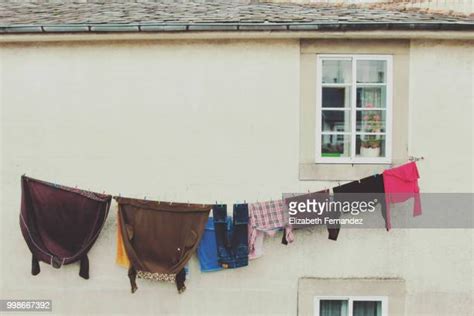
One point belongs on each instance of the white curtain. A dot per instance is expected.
(367, 308)
(333, 308)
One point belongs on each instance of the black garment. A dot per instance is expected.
(232, 242)
(372, 188)
(320, 196)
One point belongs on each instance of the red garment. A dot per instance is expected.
(401, 184)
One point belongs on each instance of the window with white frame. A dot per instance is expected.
(351, 306)
(354, 109)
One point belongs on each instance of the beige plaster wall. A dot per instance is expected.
(216, 120)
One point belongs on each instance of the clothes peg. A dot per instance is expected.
(413, 158)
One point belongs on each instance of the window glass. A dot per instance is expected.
(336, 145)
(337, 71)
(336, 97)
(333, 308)
(371, 97)
(371, 71)
(370, 146)
(367, 308)
(373, 121)
(336, 121)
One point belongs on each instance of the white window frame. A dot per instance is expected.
(351, 299)
(388, 110)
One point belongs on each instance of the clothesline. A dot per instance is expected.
(410, 158)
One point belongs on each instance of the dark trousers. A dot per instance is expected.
(232, 238)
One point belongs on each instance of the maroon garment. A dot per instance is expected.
(60, 224)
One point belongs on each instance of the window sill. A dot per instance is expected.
(339, 172)
(356, 161)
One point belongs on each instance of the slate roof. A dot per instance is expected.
(218, 15)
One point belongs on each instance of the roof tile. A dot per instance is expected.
(165, 15)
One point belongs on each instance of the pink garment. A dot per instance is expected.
(257, 249)
(267, 217)
(401, 184)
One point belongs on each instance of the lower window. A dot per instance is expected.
(351, 306)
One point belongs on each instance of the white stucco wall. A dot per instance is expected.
(205, 121)
(441, 116)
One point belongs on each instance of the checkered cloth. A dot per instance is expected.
(267, 217)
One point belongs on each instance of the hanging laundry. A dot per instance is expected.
(257, 249)
(370, 189)
(232, 240)
(207, 249)
(401, 184)
(160, 237)
(321, 197)
(60, 224)
(121, 257)
(267, 217)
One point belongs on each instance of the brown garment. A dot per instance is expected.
(160, 237)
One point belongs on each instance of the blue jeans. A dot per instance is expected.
(207, 250)
(232, 242)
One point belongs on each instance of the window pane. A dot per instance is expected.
(336, 121)
(371, 71)
(335, 145)
(339, 97)
(337, 71)
(367, 308)
(371, 97)
(371, 121)
(333, 308)
(370, 146)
